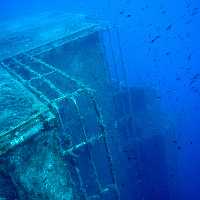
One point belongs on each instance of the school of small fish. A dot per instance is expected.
(187, 70)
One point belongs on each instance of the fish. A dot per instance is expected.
(167, 39)
(128, 15)
(189, 21)
(178, 147)
(163, 12)
(188, 5)
(188, 33)
(122, 185)
(192, 82)
(196, 76)
(175, 141)
(189, 57)
(178, 79)
(194, 13)
(167, 53)
(121, 12)
(186, 73)
(195, 9)
(169, 27)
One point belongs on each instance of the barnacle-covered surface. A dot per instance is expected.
(18, 36)
(38, 169)
(17, 104)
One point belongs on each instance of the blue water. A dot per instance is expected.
(160, 43)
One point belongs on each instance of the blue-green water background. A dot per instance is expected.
(168, 62)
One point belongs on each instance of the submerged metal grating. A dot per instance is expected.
(12, 65)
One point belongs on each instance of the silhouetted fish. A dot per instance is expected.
(192, 82)
(189, 57)
(188, 21)
(169, 27)
(194, 13)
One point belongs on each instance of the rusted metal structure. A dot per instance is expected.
(64, 97)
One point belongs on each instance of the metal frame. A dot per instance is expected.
(53, 104)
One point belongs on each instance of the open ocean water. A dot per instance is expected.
(161, 47)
